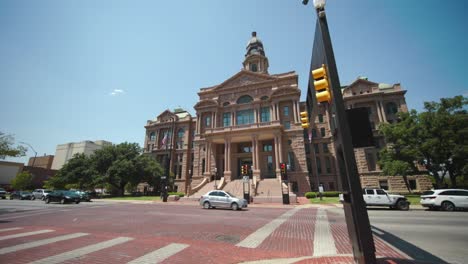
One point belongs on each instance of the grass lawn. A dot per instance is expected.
(136, 198)
(325, 200)
(413, 198)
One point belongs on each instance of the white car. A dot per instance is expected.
(445, 199)
(220, 198)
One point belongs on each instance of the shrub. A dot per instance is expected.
(331, 194)
(310, 195)
(180, 194)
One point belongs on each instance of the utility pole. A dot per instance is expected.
(324, 87)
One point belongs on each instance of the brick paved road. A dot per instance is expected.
(171, 233)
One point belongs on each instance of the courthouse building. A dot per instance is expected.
(253, 118)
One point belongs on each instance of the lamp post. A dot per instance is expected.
(189, 187)
(215, 177)
(35, 153)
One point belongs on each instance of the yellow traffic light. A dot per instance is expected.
(242, 170)
(305, 119)
(321, 84)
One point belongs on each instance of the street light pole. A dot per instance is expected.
(35, 153)
(215, 177)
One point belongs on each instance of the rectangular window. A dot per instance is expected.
(270, 164)
(319, 165)
(226, 119)
(325, 148)
(286, 111)
(316, 149)
(314, 133)
(287, 125)
(412, 184)
(291, 161)
(328, 164)
(244, 117)
(320, 118)
(265, 114)
(322, 131)
(208, 121)
(203, 166)
(370, 161)
(383, 184)
(267, 147)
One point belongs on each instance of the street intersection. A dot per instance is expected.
(150, 232)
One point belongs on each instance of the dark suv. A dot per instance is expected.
(2, 193)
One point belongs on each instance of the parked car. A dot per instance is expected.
(63, 197)
(22, 195)
(84, 196)
(40, 194)
(219, 198)
(379, 197)
(2, 193)
(445, 199)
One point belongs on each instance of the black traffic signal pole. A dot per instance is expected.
(357, 219)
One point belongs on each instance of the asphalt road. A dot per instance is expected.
(433, 236)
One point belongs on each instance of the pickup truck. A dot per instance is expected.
(379, 197)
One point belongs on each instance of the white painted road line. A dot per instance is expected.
(324, 244)
(26, 234)
(28, 214)
(257, 237)
(39, 243)
(82, 251)
(10, 229)
(159, 255)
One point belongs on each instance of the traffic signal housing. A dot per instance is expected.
(283, 170)
(321, 84)
(305, 119)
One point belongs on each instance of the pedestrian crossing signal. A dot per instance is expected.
(321, 84)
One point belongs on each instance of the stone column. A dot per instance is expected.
(294, 111)
(277, 111)
(256, 172)
(227, 159)
(382, 109)
(298, 109)
(277, 161)
(377, 109)
(215, 119)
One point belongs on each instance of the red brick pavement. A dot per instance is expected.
(212, 235)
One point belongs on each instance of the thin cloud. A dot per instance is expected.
(116, 92)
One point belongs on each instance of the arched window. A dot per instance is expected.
(152, 136)
(264, 98)
(391, 108)
(244, 99)
(225, 103)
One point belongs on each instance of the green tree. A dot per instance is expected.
(124, 163)
(77, 172)
(7, 149)
(436, 138)
(22, 181)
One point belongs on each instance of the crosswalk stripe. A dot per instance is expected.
(160, 255)
(257, 237)
(82, 251)
(26, 234)
(10, 229)
(39, 243)
(324, 244)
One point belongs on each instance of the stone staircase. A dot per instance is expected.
(234, 187)
(206, 188)
(269, 191)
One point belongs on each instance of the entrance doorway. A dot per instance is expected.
(244, 161)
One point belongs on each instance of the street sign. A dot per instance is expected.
(246, 178)
(163, 177)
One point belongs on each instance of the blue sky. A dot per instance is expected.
(90, 70)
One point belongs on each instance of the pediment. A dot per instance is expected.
(243, 78)
(166, 116)
(283, 91)
(360, 86)
(206, 103)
